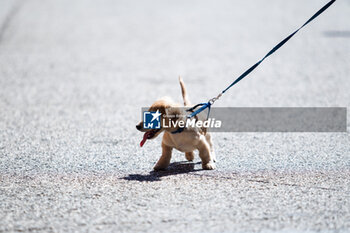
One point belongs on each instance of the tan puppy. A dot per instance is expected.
(190, 139)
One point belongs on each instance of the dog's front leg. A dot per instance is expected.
(210, 142)
(205, 155)
(164, 160)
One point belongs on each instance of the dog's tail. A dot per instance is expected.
(184, 92)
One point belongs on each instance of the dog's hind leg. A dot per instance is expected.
(164, 160)
(205, 155)
(189, 156)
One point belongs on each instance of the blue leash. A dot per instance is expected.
(211, 101)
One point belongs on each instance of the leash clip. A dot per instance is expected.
(212, 100)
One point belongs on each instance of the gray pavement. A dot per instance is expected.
(74, 75)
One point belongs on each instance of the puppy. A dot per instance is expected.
(186, 140)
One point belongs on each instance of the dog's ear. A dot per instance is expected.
(160, 105)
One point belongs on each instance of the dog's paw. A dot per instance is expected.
(208, 166)
(189, 156)
(159, 168)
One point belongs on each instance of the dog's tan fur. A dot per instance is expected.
(187, 141)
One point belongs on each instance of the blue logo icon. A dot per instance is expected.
(151, 120)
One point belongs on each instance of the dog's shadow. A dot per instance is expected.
(175, 168)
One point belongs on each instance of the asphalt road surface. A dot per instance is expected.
(75, 74)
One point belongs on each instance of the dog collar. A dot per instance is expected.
(179, 130)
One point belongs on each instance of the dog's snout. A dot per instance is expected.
(138, 127)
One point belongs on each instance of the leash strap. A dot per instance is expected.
(274, 49)
(278, 46)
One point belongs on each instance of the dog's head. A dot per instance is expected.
(168, 110)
